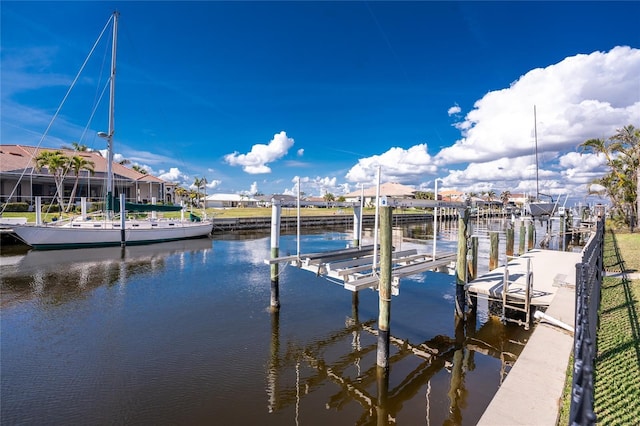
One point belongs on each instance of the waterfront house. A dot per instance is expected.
(230, 200)
(396, 193)
(21, 182)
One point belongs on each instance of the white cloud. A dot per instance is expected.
(213, 184)
(317, 186)
(173, 175)
(300, 152)
(397, 165)
(255, 162)
(454, 110)
(578, 98)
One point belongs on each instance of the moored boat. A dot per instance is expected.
(113, 230)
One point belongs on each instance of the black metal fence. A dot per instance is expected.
(588, 282)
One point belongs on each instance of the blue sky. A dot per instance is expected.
(252, 95)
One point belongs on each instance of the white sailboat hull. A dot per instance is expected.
(108, 233)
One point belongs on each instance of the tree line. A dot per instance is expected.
(622, 156)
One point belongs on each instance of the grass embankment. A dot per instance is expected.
(617, 363)
(238, 212)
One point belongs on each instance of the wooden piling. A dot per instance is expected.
(494, 240)
(384, 286)
(510, 240)
(561, 240)
(276, 209)
(123, 218)
(274, 363)
(472, 271)
(461, 262)
(531, 234)
(472, 263)
(522, 236)
(382, 382)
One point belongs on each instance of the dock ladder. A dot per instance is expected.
(517, 304)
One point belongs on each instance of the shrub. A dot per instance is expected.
(22, 206)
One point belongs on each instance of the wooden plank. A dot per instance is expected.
(336, 266)
(365, 267)
(362, 283)
(415, 268)
(336, 255)
(364, 250)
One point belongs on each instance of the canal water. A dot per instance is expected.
(181, 333)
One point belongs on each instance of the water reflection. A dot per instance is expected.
(346, 357)
(180, 333)
(57, 276)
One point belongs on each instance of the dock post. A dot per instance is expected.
(473, 262)
(532, 234)
(561, 241)
(472, 265)
(461, 261)
(38, 208)
(274, 363)
(510, 240)
(384, 287)
(123, 218)
(494, 240)
(276, 208)
(522, 236)
(357, 218)
(382, 383)
(83, 208)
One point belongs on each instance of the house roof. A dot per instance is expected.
(390, 189)
(16, 158)
(280, 197)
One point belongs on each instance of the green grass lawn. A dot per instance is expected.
(617, 362)
(239, 212)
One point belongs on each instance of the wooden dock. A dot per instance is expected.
(353, 267)
(550, 270)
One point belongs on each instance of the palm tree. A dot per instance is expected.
(77, 164)
(422, 195)
(76, 146)
(200, 183)
(504, 196)
(139, 169)
(194, 197)
(181, 192)
(491, 194)
(622, 155)
(56, 164)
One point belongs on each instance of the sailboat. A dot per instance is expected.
(112, 230)
(537, 207)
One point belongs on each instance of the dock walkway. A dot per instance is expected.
(533, 387)
(551, 271)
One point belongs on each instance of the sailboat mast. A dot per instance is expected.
(112, 96)
(535, 135)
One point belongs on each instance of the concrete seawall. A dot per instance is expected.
(290, 222)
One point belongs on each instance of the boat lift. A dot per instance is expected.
(353, 267)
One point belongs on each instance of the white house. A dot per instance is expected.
(230, 200)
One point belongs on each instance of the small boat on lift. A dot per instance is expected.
(538, 207)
